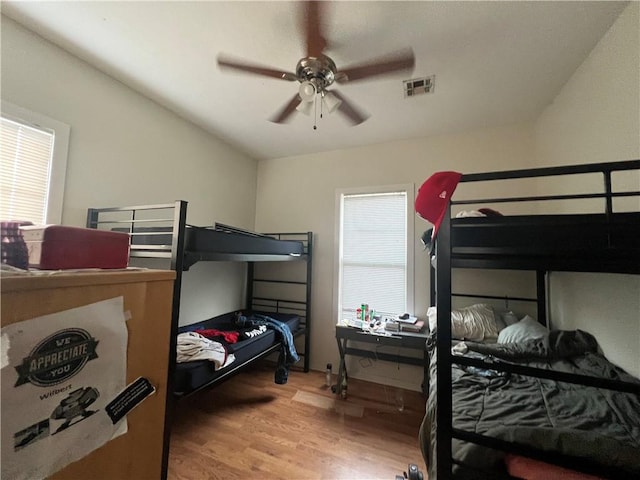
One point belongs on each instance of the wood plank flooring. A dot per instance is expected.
(251, 428)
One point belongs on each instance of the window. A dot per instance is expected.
(375, 258)
(33, 158)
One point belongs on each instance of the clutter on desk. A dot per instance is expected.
(354, 322)
(367, 319)
(391, 326)
(394, 326)
(364, 313)
(415, 327)
(406, 318)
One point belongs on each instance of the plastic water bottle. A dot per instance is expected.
(328, 375)
(343, 387)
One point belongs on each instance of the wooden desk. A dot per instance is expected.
(405, 340)
(148, 295)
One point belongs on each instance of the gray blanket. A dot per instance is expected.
(557, 344)
(584, 422)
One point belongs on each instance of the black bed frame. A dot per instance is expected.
(161, 231)
(603, 242)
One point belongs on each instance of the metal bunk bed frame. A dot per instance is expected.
(447, 258)
(181, 259)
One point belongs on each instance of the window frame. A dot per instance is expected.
(409, 190)
(58, 169)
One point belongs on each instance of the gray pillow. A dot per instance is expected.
(525, 329)
(504, 318)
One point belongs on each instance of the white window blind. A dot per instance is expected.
(26, 154)
(373, 252)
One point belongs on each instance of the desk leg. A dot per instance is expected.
(342, 370)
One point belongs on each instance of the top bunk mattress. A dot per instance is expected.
(579, 242)
(210, 241)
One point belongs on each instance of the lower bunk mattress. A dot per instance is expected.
(250, 345)
(590, 424)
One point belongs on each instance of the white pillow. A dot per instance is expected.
(525, 329)
(476, 323)
(504, 318)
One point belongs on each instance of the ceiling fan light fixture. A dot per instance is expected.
(330, 103)
(305, 107)
(307, 91)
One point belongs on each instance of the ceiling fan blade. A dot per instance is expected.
(287, 110)
(312, 16)
(354, 115)
(226, 62)
(402, 60)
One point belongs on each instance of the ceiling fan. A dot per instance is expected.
(316, 72)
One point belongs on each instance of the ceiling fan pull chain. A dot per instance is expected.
(315, 112)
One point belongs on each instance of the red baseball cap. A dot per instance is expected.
(434, 195)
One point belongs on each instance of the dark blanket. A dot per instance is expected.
(585, 422)
(556, 345)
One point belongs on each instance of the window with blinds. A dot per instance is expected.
(374, 256)
(25, 166)
(33, 165)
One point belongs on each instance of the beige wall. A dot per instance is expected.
(596, 115)
(127, 150)
(298, 194)
(596, 118)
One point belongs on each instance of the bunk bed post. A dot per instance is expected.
(608, 203)
(541, 295)
(92, 218)
(432, 284)
(250, 277)
(443, 354)
(307, 318)
(607, 190)
(177, 264)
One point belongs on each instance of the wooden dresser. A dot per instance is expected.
(148, 295)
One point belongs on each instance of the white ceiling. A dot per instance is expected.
(495, 62)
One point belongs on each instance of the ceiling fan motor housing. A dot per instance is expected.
(321, 71)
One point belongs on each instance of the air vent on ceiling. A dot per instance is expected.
(418, 86)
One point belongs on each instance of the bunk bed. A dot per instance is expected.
(161, 232)
(480, 406)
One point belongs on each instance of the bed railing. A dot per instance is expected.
(605, 169)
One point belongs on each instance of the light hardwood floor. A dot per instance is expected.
(251, 428)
